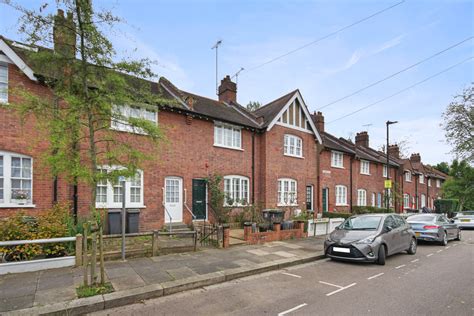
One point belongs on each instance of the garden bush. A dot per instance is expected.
(448, 206)
(336, 215)
(56, 222)
(369, 209)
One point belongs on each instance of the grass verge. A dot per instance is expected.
(91, 290)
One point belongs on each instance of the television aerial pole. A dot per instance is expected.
(216, 47)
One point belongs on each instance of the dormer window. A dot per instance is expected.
(3, 83)
(293, 146)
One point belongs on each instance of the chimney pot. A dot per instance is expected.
(318, 119)
(227, 90)
(394, 151)
(415, 157)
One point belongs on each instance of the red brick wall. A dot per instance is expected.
(276, 165)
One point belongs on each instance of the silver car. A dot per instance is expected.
(464, 219)
(434, 227)
(370, 238)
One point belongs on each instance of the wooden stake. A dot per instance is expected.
(101, 254)
(94, 259)
(85, 259)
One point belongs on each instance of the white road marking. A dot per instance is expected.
(375, 276)
(413, 261)
(403, 265)
(338, 286)
(429, 255)
(293, 275)
(439, 250)
(341, 289)
(292, 309)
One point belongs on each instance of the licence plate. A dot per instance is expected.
(465, 220)
(417, 234)
(339, 249)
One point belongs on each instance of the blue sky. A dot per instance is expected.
(179, 36)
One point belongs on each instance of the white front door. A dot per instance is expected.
(174, 199)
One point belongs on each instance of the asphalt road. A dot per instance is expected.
(436, 281)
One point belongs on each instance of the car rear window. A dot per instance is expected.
(421, 218)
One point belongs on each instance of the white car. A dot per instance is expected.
(464, 219)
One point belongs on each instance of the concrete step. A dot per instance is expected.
(175, 226)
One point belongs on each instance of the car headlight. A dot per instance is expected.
(367, 240)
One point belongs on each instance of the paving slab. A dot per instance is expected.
(127, 282)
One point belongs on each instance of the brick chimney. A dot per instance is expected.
(362, 139)
(318, 119)
(415, 157)
(394, 151)
(227, 90)
(64, 35)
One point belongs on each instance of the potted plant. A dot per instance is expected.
(20, 197)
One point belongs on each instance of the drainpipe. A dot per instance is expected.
(75, 202)
(253, 167)
(416, 190)
(350, 183)
(55, 190)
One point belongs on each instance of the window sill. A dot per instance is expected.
(13, 205)
(365, 174)
(337, 167)
(227, 147)
(130, 131)
(102, 206)
(287, 205)
(293, 156)
(342, 204)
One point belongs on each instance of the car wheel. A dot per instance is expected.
(444, 242)
(412, 249)
(458, 237)
(381, 255)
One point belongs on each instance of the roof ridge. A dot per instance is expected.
(277, 99)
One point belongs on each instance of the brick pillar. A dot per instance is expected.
(247, 231)
(300, 227)
(277, 229)
(226, 236)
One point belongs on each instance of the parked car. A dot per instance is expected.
(434, 227)
(464, 219)
(370, 238)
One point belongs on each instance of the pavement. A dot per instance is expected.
(53, 291)
(437, 280)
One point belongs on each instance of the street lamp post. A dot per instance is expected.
(388, 123)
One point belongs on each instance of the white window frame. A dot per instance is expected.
(423, 200)
(287, 192)
(292, 146)
(221, 136)
(407, 176)
(385, 171)
(406, 200)
(365, 167)
(234, 189)
(4, 93)
(337, 159)
(6, 178)
(438, 183)
(126, 112)
(361, 197)
(422, 179)
(341, 195)
(373, 199)
(429, 182)
(116, 188)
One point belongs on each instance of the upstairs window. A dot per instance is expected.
(337, 159)
(227, 136)
(407, 176)
(422, 179)
(122, 114)
(429, 182)
(16, 180)
(365, 167)
(109, 194)
(287, 191)
(236, 190)
(293, 146)
(384, 171)
(361, 197)
(341, 195)
(438, 183)
(3, 83)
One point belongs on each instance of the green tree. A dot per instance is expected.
(87, 80)
(460, 184)
(253, 105)
(459, 124)
(443, 167)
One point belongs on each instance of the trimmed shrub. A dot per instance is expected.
(448, 206)
(336, 215)
(369, 210)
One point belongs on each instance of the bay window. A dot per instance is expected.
(287, 192)
(16, 180)
(236, 190)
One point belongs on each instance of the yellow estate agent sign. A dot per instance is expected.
(388, 184)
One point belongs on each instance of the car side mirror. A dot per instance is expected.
(337, 228)
(388, 228)
(451, 221)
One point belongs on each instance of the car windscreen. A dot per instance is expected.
(361, 223)
(421, 218)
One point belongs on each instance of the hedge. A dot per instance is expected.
(369, 209)
(446, 205)
(336, 215)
